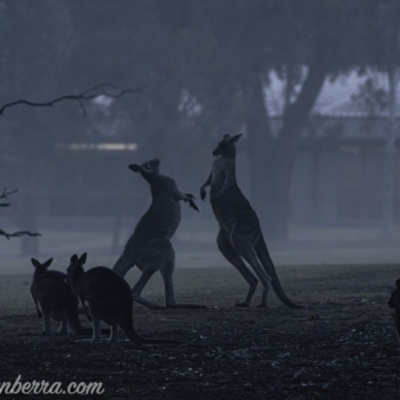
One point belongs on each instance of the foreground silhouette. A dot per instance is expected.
(394, 302)
(54, 300)
(110, 300)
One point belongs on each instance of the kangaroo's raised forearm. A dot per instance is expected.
(187, 198)
(203, 193)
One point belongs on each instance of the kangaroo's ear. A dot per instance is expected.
(35, 263)
(135, 167)
(74, 259)
(82, 258)
(235, 138)
(47, 263)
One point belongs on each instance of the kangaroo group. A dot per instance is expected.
(104, 294)
(55, 301)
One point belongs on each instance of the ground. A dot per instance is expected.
(342, 345)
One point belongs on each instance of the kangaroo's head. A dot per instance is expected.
(226, 147)
(75, 269)
(147, 169)
(394, 300)
(41, 267)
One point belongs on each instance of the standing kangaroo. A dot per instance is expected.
(240, 235)
(150, 247)
(54, 299)
(394, 302)
(110, 300)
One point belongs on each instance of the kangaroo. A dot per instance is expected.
(150, 247)
(54, 300)
(240, 237)
(394, 302)
(110, 300)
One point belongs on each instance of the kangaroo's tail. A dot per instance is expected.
(126, 325)
(264, 257)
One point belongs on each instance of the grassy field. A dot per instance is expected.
(343, 344)
(195, 245)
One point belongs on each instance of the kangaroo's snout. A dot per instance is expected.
(135, 167)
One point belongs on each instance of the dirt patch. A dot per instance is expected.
(342, 345)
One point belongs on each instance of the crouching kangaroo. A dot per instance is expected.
(394, 302)
(150, 247)
(110, 300)
(54, 300)
(240, 237)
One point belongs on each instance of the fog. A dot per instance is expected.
(317, 105)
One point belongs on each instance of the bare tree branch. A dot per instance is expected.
(100, 85)
(18, 234)
(80, 98)
(5, 195)
(88, 94)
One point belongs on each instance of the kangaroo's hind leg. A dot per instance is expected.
(63, 328)
(244, 245)
(114, 336)
(152, 257)
(96, 324)
(125, 262)
(167, 272)
(229, 252)
(46, 322)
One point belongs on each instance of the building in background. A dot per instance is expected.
(337, 179)
(339, 172)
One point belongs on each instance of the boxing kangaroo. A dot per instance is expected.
(394, 302)
(150, 247)
(110, 300)
(240, 237)
(54, 300)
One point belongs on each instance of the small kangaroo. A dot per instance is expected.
(394, 302)
(150, 247)
(54, 300)
(240, 235)
(110, 300)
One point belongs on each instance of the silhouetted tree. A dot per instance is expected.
(8, 235)
(236, 46)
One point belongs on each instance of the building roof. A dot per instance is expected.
(348, 95)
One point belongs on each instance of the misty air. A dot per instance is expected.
(200, 199)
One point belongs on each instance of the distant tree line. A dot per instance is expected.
(205, 63)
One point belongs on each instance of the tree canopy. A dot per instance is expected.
(205, 64)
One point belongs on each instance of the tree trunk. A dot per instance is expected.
(390, 159)
(272, 160)
(259, 149)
